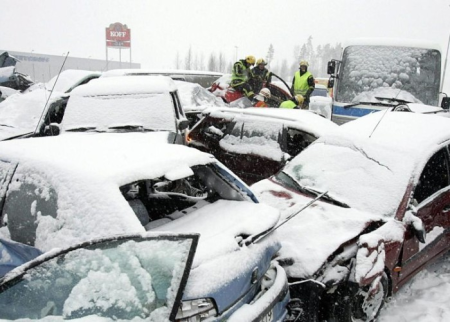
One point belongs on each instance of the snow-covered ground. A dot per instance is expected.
(426, 298)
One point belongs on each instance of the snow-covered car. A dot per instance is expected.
(30, 113)
(203, 78)
(195, 99)
(62, 190)
(383, 190)
(132, 277)
(255, 143)
(126, 104)
(9, 77)
(320, 101)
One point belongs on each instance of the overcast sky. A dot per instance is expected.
(160, 28)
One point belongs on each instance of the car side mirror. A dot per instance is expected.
(330, 82)
(183, 125)
(331, 67)
(445, 103)
(419, 230)
(52, 130)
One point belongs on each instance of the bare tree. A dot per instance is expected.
(212, 62)
(188, 60)
(177, 61)
(270, 54)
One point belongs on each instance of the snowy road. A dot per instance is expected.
(424, 299)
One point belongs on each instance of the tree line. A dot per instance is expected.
(317, 57)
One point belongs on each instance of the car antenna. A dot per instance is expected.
(256, 238)
(385, 111)
(48, 99)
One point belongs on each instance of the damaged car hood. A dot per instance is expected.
(315, 233)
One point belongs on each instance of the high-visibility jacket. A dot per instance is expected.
(288, 104)
(301, 85)
(239, 74)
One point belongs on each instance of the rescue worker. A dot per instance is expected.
(303, 83)
(261, 76)
(241, 74)
(295, 102)
(262, 98)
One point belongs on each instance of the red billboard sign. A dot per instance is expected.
(118, 36)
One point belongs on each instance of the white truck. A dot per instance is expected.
(375, 74)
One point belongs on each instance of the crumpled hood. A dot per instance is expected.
(222, 269)
(315, 233)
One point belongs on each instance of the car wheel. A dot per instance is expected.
(362, 306)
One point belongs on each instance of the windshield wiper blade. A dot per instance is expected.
(5, 125)
(130, 127)
(368, 103)
(82, 129)
(328, 198)
(393, 99)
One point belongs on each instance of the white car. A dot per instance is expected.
(63, 190)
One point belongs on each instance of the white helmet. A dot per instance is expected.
(265, 92)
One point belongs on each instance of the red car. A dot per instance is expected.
(381, 212)
(256, 143)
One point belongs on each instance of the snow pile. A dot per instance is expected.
(68, 79)
(425, 298)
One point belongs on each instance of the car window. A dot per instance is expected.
(116, 279)
(297, 141)
(30, 199)
(434, 177)
(257, 137)
(320, 92)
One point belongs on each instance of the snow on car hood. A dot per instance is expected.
(219, 256)
(315, 233)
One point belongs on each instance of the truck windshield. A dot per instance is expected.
(408, 73)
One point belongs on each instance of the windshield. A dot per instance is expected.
(119, 279)
(150, 111)
(370, 180)
(412, 74)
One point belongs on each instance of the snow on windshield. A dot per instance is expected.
(193, 96)
(408, 73)
(153, 111)
(256, 137)
(20, 113)
(364, 179)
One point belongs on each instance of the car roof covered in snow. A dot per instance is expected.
(104, 155)
(167, 72)
(299, 119)
(126, 85)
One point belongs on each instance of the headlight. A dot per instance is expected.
(196, 310)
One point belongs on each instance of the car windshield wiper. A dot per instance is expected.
(130, 127)
(368, 103)
(83, 129)
(291, 183)
(393, 99)
(5, 125)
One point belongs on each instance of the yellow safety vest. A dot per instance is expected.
(301, 83)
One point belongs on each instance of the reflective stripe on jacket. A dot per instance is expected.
(301, 85)
(239, 73)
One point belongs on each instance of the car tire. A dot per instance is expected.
(358, 306)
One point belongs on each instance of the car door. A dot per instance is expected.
(127, 278)
(432, 195)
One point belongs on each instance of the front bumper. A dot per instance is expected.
(269, 306)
